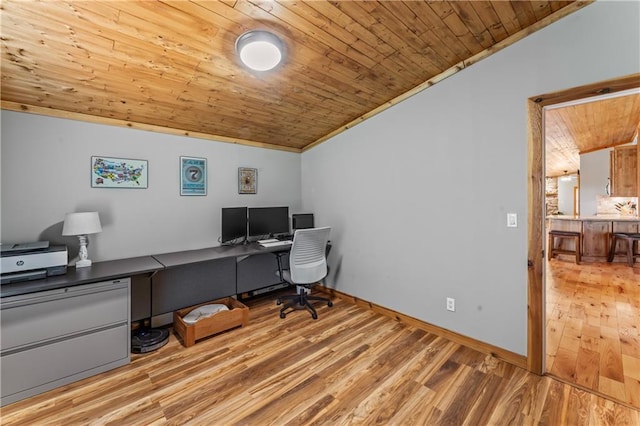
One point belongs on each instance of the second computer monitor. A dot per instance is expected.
(302, 221)
(268, 221)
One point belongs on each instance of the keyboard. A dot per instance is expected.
(276, 243)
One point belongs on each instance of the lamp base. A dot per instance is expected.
(83, 263)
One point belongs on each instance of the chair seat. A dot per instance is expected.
(565, 233)
(286, 276)
(559, 234)
(631, 235)
(631, 239)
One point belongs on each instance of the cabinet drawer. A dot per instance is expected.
(45, 367)
(45, 316)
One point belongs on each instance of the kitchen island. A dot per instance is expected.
(596, 233)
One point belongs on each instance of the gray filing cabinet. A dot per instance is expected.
(54, 337)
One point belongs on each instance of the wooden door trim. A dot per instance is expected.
(536, 188)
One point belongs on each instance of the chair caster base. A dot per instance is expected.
(300, 301)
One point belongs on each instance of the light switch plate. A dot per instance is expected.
(512, 220)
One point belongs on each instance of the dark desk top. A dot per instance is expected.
(214, 253)
(98, 271)
(120, 268)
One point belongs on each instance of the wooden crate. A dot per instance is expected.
(236, 316)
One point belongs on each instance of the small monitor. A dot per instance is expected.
(234, 224)
(302, 221)
(268, 221)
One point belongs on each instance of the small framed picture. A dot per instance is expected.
(247, 180)
(193, 176)
(109, 172)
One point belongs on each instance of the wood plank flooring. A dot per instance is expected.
(351, 366)
(593, 327)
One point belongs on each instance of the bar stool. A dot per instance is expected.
(560, 235)
(631, 239)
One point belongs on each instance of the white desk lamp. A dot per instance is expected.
(82, 224)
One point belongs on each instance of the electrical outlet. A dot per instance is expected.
(451, 304)
(512, 220)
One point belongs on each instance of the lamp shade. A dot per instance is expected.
(260, 50)
(81, 223)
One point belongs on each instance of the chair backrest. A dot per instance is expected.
(307, 260)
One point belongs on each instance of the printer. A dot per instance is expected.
(31, 261)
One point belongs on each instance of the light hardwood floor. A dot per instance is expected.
(593, 322)
(351, 366)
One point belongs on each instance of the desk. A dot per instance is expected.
(68, 327)
(99, 271)
(196, 276)
(142, 265)
(180, 258)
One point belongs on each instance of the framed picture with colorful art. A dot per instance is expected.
(193, 176)
(111, 172)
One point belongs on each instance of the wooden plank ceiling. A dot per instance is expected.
(171, 65)
(588, 126)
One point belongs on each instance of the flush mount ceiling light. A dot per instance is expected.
(260, 50)
(566, 177)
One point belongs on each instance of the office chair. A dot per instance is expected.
(307, 267)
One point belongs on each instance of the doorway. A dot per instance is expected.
(536, 203)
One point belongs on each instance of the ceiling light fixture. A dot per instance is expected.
(566, 177)
(260, 50)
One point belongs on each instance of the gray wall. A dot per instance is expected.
(46, 173)
(418, 195)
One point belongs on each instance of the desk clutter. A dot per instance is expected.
(197, 322)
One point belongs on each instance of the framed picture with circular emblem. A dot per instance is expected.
(247, 180)
(193, 176)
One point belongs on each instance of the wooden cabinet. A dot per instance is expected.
(624, 171)
(595, 238)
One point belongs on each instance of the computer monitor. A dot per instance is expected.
(268, 221)
(302, 221)
(234, 224)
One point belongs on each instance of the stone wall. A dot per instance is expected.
(551, 195)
